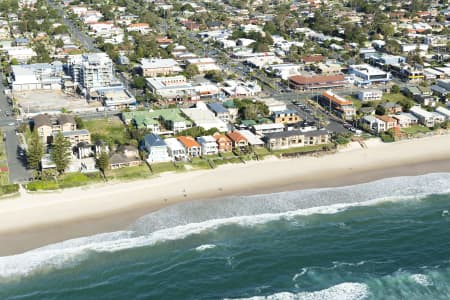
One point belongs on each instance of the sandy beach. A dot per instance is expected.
(37, 219)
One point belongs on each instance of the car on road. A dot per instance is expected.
(7, 113)
(11, 124)
(347, 125)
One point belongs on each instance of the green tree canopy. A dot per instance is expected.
(61, 152)
(35, 151)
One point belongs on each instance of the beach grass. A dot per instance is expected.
(4, 178)
(415, 129)
(304, 149)
(129, 173)
(165, 167)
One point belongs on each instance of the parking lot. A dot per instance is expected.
(38, 101)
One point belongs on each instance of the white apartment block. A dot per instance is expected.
(92, 70)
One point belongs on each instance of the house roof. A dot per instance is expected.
(217, 107)
(120, 158)
(316, 79)
(284, 134)
(206, 139)
(64, 119)
(252, 139)
(42, 120)
(387, 119)
(236, 136)
(188, 141)
(153, 140)
(218, 136)
(336, 99)
(313, 58)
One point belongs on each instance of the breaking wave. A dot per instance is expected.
(182, 220)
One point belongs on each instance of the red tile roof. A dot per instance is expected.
(316, 79)
(188, 141)
(236, 136)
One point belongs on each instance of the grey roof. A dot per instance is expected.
(41, 120)
(439, 89)
(390, 105)
(153, 140)
(284, 134)
(217, 107)
(63, 119)
(120, 158)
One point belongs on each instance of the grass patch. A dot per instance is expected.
(415, 129)
(9, 189)
(4, 178)
(199, 163)
(42, 185)
(305, 149)
(261, 152)
(395, 97)
(78, 179)
(165, 167)
(107, 129)
(129, 173)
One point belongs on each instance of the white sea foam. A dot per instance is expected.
(205, 247)
(421, 279)
(179, 221)
(343, 291)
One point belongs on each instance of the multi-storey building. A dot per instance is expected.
(92, 70)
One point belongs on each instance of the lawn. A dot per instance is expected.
(4, 178)
(106, 129)
(415, 129)
(166, 167)
(129, 173)
(395, 97)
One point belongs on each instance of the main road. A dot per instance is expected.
(18, 171)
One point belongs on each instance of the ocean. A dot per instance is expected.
(388, 239)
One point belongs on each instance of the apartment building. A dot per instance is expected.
(91, 70)
(154, 67)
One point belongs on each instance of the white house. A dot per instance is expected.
(208, 144)
(176, 149)
(156, 149)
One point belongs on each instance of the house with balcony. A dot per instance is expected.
(156, 148)
(192, 148)
(208, 145)
(238, 141)
(295, 139)
(176, 149)
(223, 142)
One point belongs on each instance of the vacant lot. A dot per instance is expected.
(41, 101)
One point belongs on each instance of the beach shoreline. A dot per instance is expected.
(37, 219)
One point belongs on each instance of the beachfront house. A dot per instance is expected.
(190, 145)
(126, 156)
(252, 139)
(208, 144)
(223, 142)
(156, 148)
(372, 124)
(176, 149)
(238, 141)
(426, 118)
(295, 139)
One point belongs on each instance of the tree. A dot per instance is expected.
(395, 89)
(103, 162)
(139, 82)
(191, 71)
(79, 122)
(35, 151)
(61, 152)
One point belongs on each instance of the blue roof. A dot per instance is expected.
(153, 140)
(21, 40)
(217, 107)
